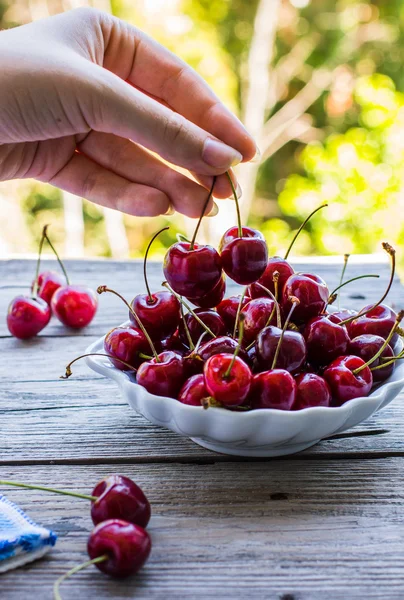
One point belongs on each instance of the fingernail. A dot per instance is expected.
(170, 211)
(219, 155)
(257, 156)
(213, 211)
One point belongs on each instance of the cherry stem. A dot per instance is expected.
(237, 348)
(103, 288)
(193, 313)
(302, 226)
(57, 257)
(341, 279)
(186, 328)
(233, 189)
(278, 312)
(239, 307)
(48, 489)
(182, 238)
(295, 301)
(145, 356)
(333, 293)
(38, 262)
(392, 253)
(94, 561)
(275, 279)
(389, 362)
(150, 299)
(397, 322)
(198, 343)
(205, 206)
(69, 371)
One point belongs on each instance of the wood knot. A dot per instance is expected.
(279, 496)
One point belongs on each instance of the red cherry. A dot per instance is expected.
(126, 343)
(378, 321)
(325, 340)
(273, 389)
(27, 316)
(213, 297)
(292, 352)
(210, 317)
(74, 305)
(366, 346)
(230, 389)
(221, 345)
(228, 308)
(274, 264)
(194, 391)
(118, 497)
(310, 290)
(312, 390)
(344, 383)
(48, 283)
(160, 313)
(256, 314)
(192, 273)
(163, 378)
(340, 315)
(126, 545)
(173, 342)
(244, 259)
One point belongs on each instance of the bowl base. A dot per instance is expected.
(259, 452)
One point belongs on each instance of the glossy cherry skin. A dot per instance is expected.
(275, 263)
(243, 259)
(344, 384)
(118, 497)
(126, 343)
(213, 297)
(210, 317)
(231, 390)
(366, 346)
(221, 345)
(173, 342)
(378, 321)
(192, 273)
(27, 316)
(194, 391)
(228, 307)
(273, 389)
(312, 293)
(341, 315)
(325, 340)
(312, 390)
(160, 317)
(163, 378)
(256, 314)
(74, 305)
(292, 354)
(126, 545)
(48, 283)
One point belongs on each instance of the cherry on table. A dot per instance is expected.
(118, 497)
(325, 340)
(27, 316)
(366, 347)
(312, 292)
(292, 352)
(275, 388)
(194, 392)
(126, 344)
(74, 305)
(312, 390)
(345, 382)
(164, 375)
(48, 283)
(126, 547)
(275, 264)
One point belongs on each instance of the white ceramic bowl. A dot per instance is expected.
(267, 432)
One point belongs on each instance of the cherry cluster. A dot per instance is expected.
(275, 345)
(73, 305)
(119, 545)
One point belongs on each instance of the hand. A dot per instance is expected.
(83, 95)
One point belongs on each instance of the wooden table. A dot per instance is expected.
(327, 523)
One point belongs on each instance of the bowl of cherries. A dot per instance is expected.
(268, 372)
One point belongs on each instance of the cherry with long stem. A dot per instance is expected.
(38, 262)
(398, 320)
(238, 347)
(333, 294)
(186, 328)
(278, 312)
(193, 313)
(103, 288)
(150, 299)
(69, 371)
(341, 279)
(57, 255)
(240, 305)
(392, 253)
(389, 362)
(233, 189)
(84, 565)
(295, 302)
(202, 214)
(302, 226)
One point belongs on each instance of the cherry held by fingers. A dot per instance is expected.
(244, 258)
(344, 383)
(26, 316)
(74, 305)
(118, 497)
(126, 546)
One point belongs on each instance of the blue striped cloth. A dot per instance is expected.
(21, 540)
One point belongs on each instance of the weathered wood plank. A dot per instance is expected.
(330, 530)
